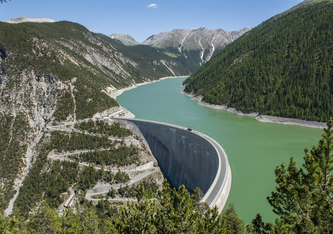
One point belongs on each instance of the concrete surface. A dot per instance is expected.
(187, 157)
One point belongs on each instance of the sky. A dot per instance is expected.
(141, 18)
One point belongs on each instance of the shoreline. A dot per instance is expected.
(114, 93)
(258, 116)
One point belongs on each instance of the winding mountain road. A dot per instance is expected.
(102, 188)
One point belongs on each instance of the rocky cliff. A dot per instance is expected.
(51, 73)
(23, 19)
(125, 39)
(201, 43)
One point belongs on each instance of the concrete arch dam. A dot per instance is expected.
(187, 157)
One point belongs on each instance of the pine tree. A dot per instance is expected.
(43, 219)
(173, 211)
(303, 199)
(7, 225)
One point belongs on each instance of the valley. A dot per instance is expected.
(73, 156)
(281, 68)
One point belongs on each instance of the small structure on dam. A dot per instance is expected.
(187, 157)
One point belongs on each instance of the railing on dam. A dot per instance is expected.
(187, 157)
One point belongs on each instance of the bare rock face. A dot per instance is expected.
(205, 41)
(3, 52)
(239, 33)
(125, 39)
(23, 19)
(26, 105)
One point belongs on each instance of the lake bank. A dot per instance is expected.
(258, 116)
(253, 148)
(114, 93)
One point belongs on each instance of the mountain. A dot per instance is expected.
(283, 67)
(198, 44)
(125, 39)
(52, 77)
(152, 60)
(23, 19)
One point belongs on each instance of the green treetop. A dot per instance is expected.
(304, 197)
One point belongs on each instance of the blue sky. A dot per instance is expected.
(141, 18)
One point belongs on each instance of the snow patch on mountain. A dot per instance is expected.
(23, 19)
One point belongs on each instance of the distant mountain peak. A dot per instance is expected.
(124, 38)
(23, 19)
(205, 42)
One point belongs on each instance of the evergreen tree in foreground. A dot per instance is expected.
(303, 199)
(168, 211)
(174, 211)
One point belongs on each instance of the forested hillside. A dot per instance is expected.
(67, 161)
(283, 67)
(150, 58)
(302, 201)
(57, 72)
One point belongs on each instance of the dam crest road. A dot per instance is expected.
(187, 157)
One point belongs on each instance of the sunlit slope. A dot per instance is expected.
(151, 60)
(56, 73)
(283, 67)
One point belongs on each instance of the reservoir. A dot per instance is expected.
(253, 148)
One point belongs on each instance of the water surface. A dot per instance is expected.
(253, 148)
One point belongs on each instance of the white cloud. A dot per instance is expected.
(153, 5)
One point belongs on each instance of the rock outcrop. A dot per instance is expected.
(125, 39)
(206, 42)
(23, 19)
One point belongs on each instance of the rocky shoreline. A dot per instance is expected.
(258, 117)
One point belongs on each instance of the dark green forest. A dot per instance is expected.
(283, 67)
(150, 185)
(121, 156)
(170, 211)
(302, 201)
(89, 177)
(102, 127)
(65, 107)
(49, 179)
(77, 141)
(42, 182)
(12, 133)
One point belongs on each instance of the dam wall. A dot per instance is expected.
(187, 157)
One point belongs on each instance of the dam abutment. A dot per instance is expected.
(187, 158)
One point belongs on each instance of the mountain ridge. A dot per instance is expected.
(124, 38)
(196, 45)
(206, 42)
(280, 68)
(23, 19)
(54, 74)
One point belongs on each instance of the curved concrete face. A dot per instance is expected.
(187, 157)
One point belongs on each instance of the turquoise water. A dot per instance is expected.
(253, 148)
